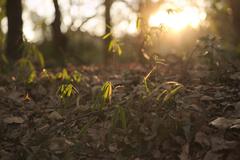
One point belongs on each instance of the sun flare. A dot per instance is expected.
(177, 19)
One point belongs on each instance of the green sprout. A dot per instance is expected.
(107, 91)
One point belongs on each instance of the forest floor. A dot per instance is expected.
(163, 114)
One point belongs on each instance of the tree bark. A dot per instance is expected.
(59, 39)
(108, 56)
(145, 9)
(235, 7)
(144, 15)
(15, 34)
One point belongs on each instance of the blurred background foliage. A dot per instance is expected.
(72, 31)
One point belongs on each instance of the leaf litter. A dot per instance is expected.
(137, 118)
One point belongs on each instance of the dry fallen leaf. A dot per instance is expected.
(27, 98)
(202, 139)
(156, 154)
(221, 123)
(113, 148)
(235, 76)
(237, 109)
(12, 120)
(236, 126)
(219, 144)
(55, 116)
(2, 90)
(212, 156)
(224, 123)
(59, 144)
(185, 152)
(206, 98)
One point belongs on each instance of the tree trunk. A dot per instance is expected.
(146, 8)
(59, 39)
(15, 34)
(235, 6)
(144, 15)
(107, 55)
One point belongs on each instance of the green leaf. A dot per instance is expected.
(115, 118)
(110, 46)
(138, 23)
(26, 66)
(66, 90)
(32, 77)
(114, 46)
(4, 58)
(109, 27)
(41, 59)
(77, 76)
(107, 35)
(69, 90)
(146, 78)
(63, 75)
(122, 117)
(107, 91)
(119, 50)
(119, 116)
(172, 93)
(163, 93)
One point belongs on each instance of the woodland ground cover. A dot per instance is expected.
(110, 79)
(121, 112)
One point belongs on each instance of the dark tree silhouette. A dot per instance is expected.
(235, 7)
(59, 39)
(108, 56)
(146, 7)
(143, 29)
(15, 33)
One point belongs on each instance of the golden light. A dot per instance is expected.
(177, 19)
